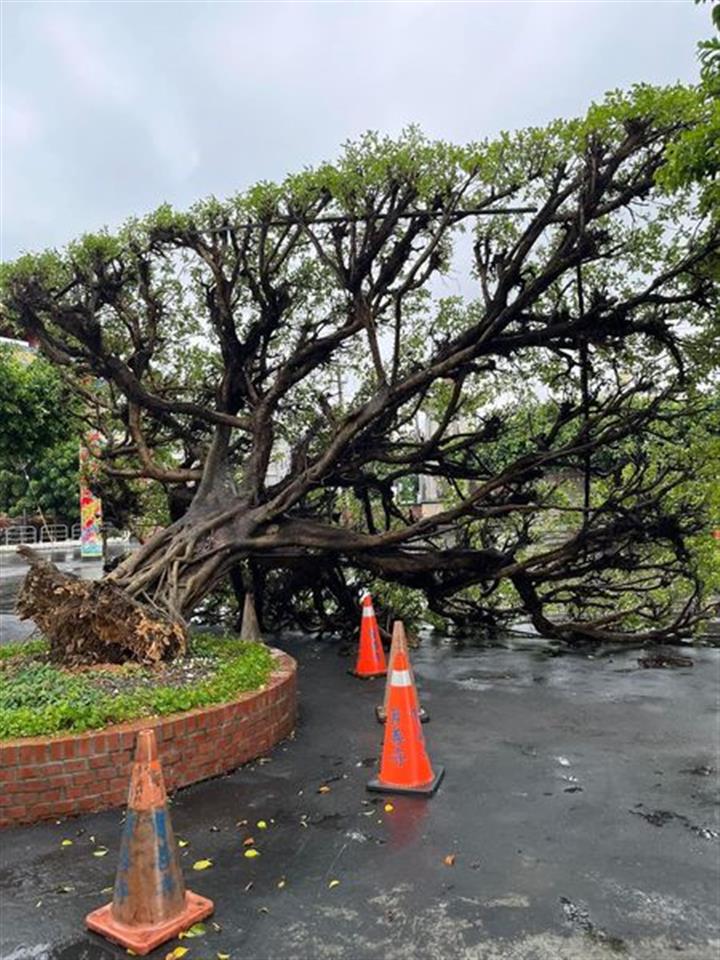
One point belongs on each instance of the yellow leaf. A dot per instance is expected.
(176, 953)
(281, 884)
(202, 864)
(100, 852)
(388, 808)
(183, 843)
(196, 930)
(66, 843)
(251, 852)
(131, 952)
(324, 789)
(333, 883)
(261, 825)
(223, 956)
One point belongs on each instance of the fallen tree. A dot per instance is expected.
(267, 360)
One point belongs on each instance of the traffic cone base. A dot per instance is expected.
(143, 938)
(381, 714)
(378, 786)
(365, 676)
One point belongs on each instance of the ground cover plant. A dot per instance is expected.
(40, 697)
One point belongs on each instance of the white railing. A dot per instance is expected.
(17, 534)
(60, 533)
(53, 533)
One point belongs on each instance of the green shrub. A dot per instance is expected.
(38, 697)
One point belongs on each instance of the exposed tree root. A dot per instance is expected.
(89, 621)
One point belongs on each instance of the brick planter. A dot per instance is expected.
(45, 777)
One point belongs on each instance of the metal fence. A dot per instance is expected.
(53, 533)
(17, 534)
(50, 533)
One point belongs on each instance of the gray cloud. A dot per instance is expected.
(110, 109)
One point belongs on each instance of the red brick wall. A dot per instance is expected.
(44, 777)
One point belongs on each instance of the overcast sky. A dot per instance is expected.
(111, 108)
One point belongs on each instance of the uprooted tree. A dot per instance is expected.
(267, 360)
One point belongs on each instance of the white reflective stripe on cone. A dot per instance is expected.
(368, 611)
(401, 678)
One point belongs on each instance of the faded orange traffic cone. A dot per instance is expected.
(405, 766)
(371, 656)
(399, 642)
(150, 903)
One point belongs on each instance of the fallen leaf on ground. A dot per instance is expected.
(449, 860)
(388, 808)
(241, 823)
(183, 843)
(248, 841)
(333, 883)
(202, 864)
(100, 852)
(222, 956)
(248, 886)
(324, 789)
(196, 930)
(176, 953)
(261, 825)
(66, 843)
(251, 852)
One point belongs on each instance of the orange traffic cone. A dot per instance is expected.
(150, 903)
(405, 766)
(371, 656)
(399, 642)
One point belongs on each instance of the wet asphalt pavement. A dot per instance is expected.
(581, 803)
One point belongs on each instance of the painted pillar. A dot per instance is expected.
(90, 505)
